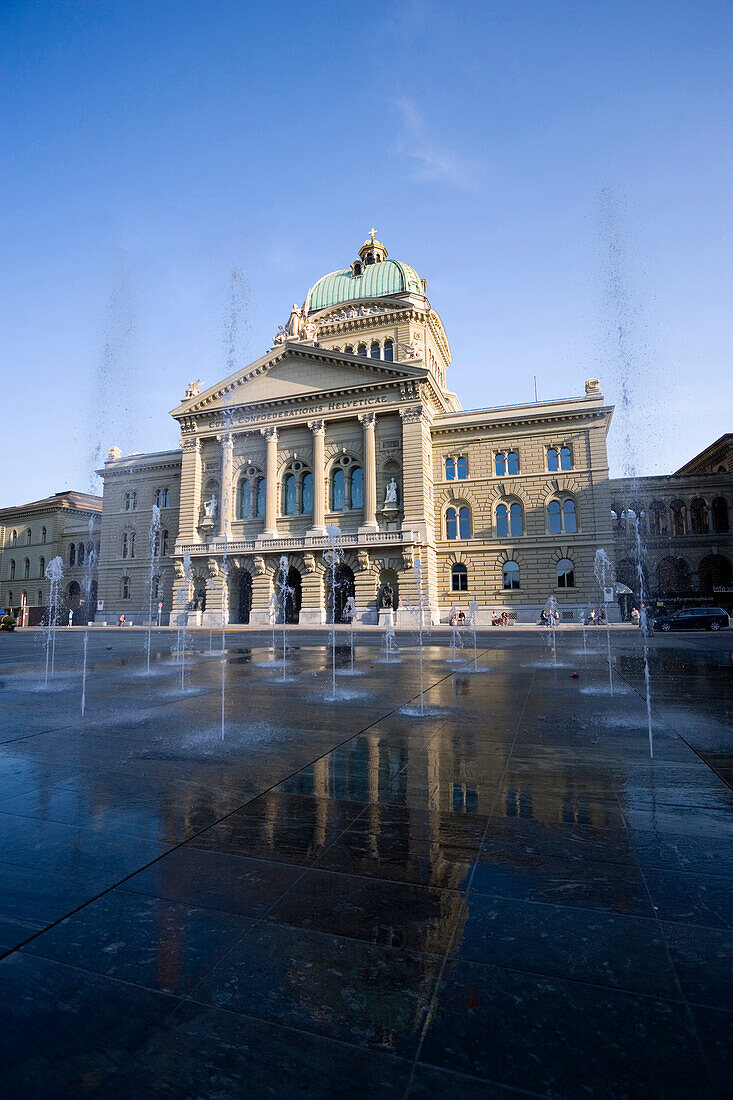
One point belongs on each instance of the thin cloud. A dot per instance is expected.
(430, 159)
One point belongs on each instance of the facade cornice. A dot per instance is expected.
(49, 509)
(125, 466)
(473, 422)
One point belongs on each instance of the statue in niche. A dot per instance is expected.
(390, 497)
(210, 507)
(387, 598)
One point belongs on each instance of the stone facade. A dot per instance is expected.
(348, 422)
(684, 523)
(65, 525)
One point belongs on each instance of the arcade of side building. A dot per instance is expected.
(348, 421)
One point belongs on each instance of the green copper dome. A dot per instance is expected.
(373, 276)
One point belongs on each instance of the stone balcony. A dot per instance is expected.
(302, 542)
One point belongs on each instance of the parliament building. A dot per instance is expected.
(349, 421)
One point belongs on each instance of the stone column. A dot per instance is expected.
(370, 473)
(225, 500)
(190, 506)
(318, 427)
(270, 531)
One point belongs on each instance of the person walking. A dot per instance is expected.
(71, 616)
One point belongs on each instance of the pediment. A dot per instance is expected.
(294, 371)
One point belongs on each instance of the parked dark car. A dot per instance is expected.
(693, 618)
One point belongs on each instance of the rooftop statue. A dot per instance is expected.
(192, 389)
(295, 322)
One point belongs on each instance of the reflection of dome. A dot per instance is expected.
(371, 276)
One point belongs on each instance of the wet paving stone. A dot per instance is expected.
(203, 1051)
(559, 1037)
(505, 897)
(146, 941)
(392, 914)
(215, 880)
(621, 952)
(65, 1031)
(349, 990)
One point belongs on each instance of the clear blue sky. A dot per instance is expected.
(559, 172)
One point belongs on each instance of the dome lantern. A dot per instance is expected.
(371, 252)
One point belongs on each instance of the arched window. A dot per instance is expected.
(260, 496)
(306, 505)
(462, 467)
(510, 575)
(165, 498)
(72, 554)
(338, 495)
(389, 351)
(570, 518)
(374, 350)
(464, 522)
(14, 538)
(158, 497)
(244, 493)
(554, 517)
(509, 520)
(566, 458)
(678, 517)
(451, 528)
(43, 534)
(40, 598)
(450, 468)
(28, 537)
(720, 516)
(27, 568)
(164, 543)
(348, 350)
(289, 495)
(357, 268)
(699, 517)
(41, 567)
(125, 544)
(80, 554)
(499, 464)
(125, 588)
(11, 571)
(362, 350)
(132, 544)
(357, 488)
(459, 577)
(512, 463)
(552, 460)
(502, 521)
(565, 573)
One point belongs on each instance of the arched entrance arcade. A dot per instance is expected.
(338, 589)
